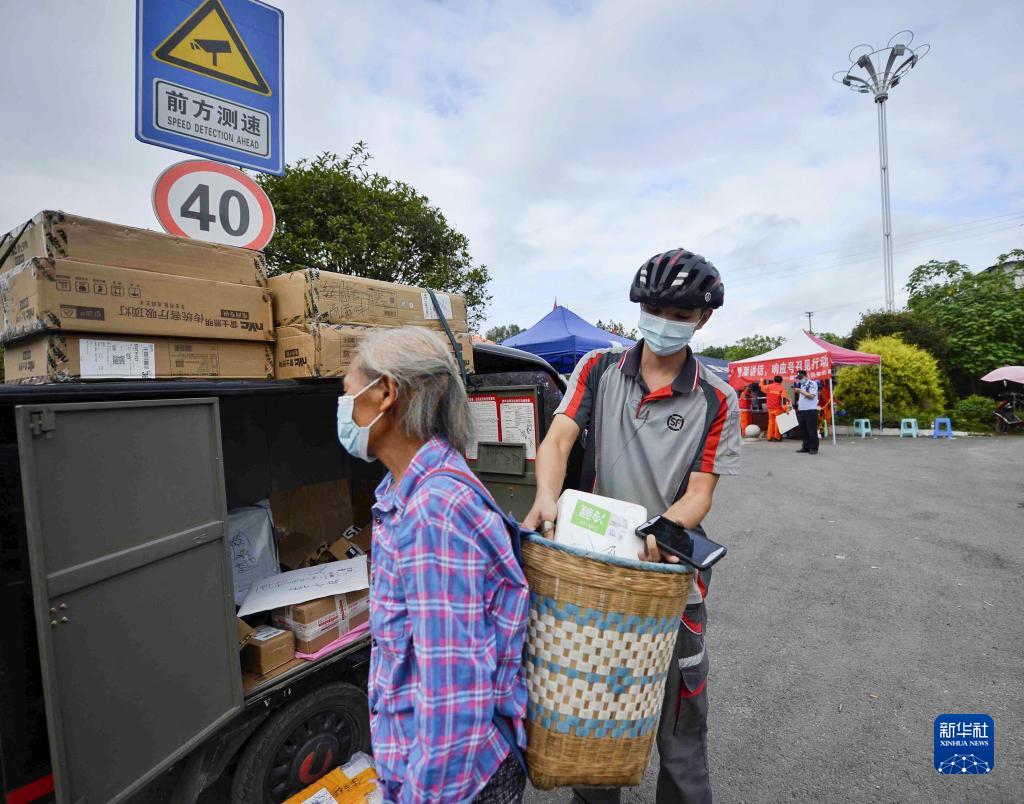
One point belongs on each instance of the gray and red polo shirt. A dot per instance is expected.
(640, 444)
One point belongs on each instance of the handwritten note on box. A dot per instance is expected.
(301, 585)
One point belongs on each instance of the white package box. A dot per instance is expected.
(599, 524)
(786, 421)
(253, 548)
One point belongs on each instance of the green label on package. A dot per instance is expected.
(591, 517)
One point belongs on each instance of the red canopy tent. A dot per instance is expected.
(810, 353)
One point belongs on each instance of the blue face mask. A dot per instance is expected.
(665, 337)
(355, 439)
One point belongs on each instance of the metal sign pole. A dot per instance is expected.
(832, 403)
(875, 71)
(883, 162)
(880, 422)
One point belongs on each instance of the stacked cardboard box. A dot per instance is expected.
(311, 519)
(322, 316)
(317, 623)
(57, 235)
(84, 299)
(327, 350)
(264, 648)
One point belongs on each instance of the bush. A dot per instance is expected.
(975, 413)
(911, 383)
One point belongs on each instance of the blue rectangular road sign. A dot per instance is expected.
(210, 80)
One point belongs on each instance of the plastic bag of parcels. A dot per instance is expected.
(253, 547)
(353, 783)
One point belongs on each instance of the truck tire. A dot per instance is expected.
(301, 742)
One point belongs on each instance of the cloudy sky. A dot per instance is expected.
(570, 140)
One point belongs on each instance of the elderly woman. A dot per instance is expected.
(448, 600)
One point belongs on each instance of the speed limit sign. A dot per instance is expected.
(209, 201)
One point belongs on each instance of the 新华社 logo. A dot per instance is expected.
(964, 744)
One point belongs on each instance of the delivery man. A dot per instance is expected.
(777, 402)
(659, 431)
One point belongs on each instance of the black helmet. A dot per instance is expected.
(678, 278)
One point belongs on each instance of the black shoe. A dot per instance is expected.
(803, 450)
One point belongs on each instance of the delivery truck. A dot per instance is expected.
(119, 666)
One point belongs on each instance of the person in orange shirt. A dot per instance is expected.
(777, 402)
(745, 406)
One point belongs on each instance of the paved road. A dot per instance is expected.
(867, 590)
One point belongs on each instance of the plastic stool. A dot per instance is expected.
(908, 427)
(946, 431)
(862, 427)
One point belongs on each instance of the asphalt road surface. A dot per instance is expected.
(867, 590)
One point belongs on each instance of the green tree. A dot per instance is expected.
(751, 346)
(910, 327)
(618, 328)
(713, 351)
(980, 314)
(907, 325)
(498, 334)
(831, 337)
(911, 385)
(974, 413)
(337, 215)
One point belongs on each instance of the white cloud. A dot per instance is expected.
(570, 141)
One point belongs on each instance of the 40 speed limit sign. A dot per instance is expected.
(209, 201)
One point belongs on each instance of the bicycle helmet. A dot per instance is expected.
(678, 278)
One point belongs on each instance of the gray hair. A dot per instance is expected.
(431, 399)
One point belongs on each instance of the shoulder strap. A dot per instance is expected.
(511, 525)
(713, 404)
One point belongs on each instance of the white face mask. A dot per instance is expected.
(665, 337)
(355, 439)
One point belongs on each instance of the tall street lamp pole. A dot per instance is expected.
(875, 72)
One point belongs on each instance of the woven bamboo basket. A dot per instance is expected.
(598, 648)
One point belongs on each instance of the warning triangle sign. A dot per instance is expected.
(208, 43)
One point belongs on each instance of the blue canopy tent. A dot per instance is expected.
(562, 338)
(719, 367)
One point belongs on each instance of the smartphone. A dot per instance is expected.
(686, 545)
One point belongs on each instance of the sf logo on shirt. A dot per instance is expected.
(675, 422)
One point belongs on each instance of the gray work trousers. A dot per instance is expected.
(683, 731)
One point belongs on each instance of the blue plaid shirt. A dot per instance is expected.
(448, 611)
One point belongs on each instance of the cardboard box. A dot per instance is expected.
(296, 550)
(267, 649)
(355, 542)
(320, 510)
(345, 548)
(245, 632)
(361, 538)
(311, 296)
(250, 681)
(66, 357)
(327, 350)
(56, 235)
(73, 296)
(317, 623)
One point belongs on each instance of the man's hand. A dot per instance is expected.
(653, 554)
(543, 513)
(552, 459)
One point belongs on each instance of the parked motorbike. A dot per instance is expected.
(1009, 410)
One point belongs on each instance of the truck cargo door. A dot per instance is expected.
(125, 516)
